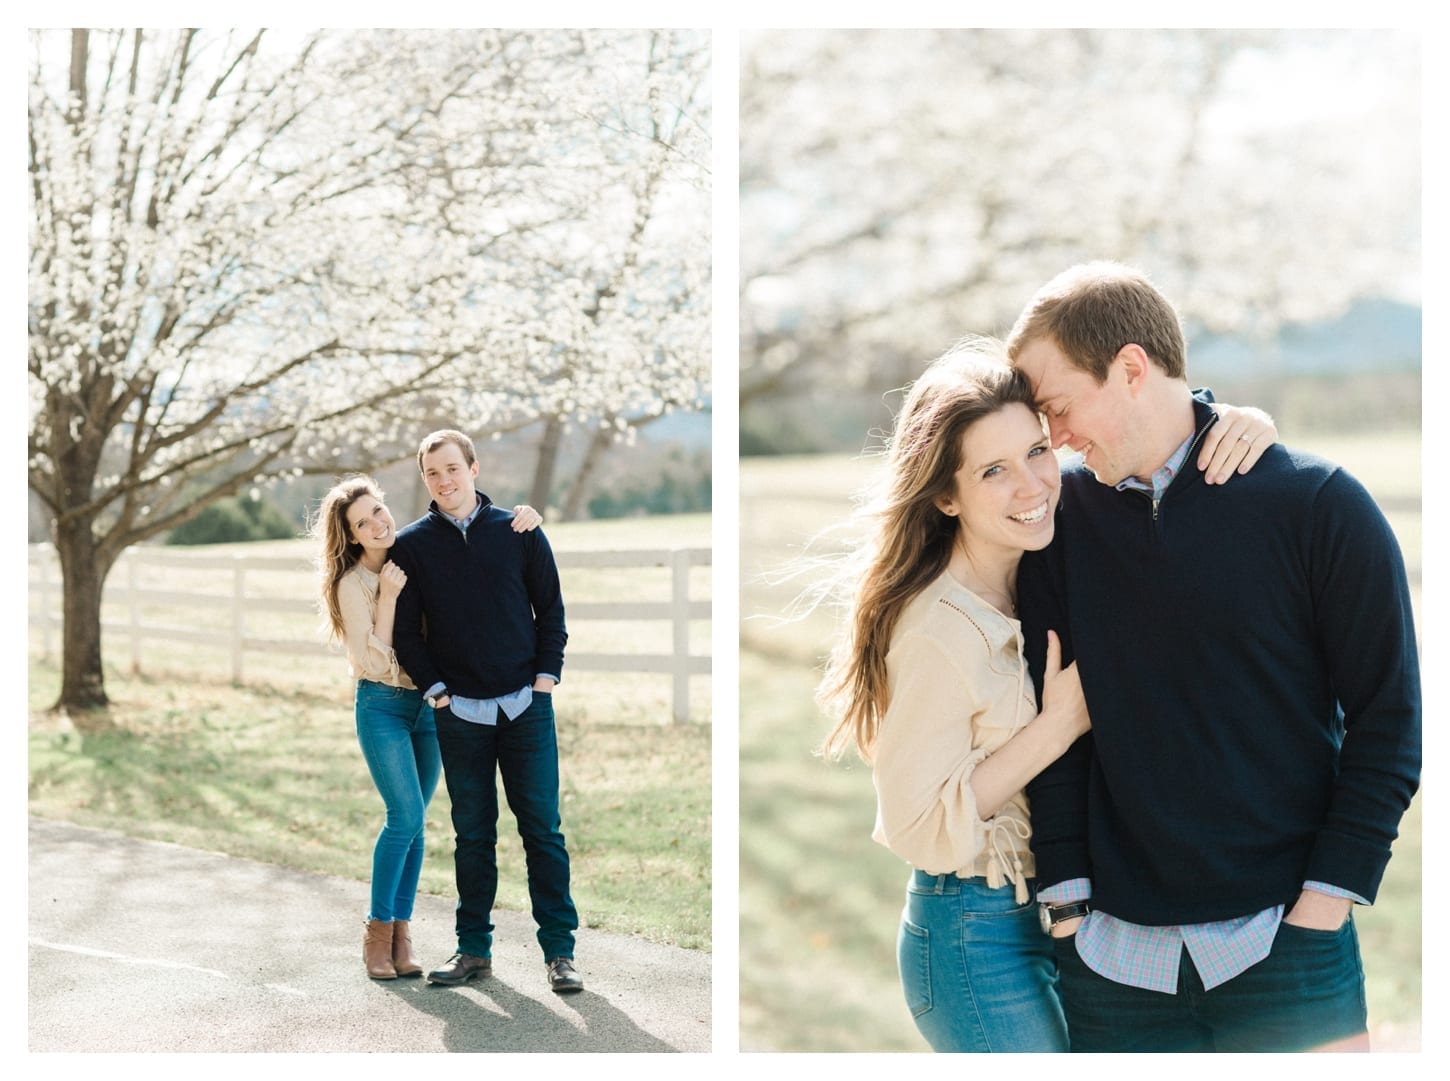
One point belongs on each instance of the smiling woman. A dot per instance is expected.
(931, 686)
(1003, 493)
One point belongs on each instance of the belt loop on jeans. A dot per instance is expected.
(926, 882)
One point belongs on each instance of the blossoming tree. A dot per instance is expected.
(255, 255)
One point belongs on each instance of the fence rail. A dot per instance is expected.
(125, 590)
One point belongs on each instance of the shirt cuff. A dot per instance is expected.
(546, 675)
(1074, 889)
(432, 692)
(1335, 891)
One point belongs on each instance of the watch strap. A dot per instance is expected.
(1053, 914)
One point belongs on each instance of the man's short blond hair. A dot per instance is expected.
(433, 440)
(1094, 309)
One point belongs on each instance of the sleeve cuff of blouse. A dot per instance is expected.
(389, 658)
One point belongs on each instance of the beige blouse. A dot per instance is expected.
(958, 690)
(357, 598)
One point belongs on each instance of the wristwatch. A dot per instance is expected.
(432, 699)
(1050, 915)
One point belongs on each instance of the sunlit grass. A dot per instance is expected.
(277, 776)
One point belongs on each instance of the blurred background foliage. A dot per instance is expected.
(899, 189)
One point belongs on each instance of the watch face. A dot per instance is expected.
(1045, 919)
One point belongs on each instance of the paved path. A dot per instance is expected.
(142, 946)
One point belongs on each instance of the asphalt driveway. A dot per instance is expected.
(143, 946)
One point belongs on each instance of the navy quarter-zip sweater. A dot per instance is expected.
(482, 613)
(1247, 652)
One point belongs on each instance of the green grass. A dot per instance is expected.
(819, 899)
(276, 775)
(269, 768)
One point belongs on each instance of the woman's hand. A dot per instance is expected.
(1063, 704)
(526, 518)
(391, 580)
(1240, 437)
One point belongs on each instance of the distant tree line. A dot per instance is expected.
(672, 495)
(233, 520)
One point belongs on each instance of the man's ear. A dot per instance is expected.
(1135, 365)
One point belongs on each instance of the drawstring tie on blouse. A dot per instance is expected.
(1007, 865)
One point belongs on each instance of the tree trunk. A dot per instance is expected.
(598, 447)
(83, 573)
(549, 444)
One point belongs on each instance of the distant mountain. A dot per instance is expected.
(691, 429)
(1372, 335)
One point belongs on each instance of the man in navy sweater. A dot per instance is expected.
(1248, 657)
(480, 625)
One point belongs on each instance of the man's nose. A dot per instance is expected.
(1057, 432)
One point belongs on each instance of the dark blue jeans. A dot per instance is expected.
(1307, 993)
(525, 754)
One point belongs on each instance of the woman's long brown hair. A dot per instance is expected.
(337, 551)
(910, 539)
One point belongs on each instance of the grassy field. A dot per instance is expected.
(270, 769)
(819, 900)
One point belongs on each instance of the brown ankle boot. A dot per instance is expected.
(403, 958)
(378, 950)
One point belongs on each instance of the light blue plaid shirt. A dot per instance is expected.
(485, 710)
(1148, 957)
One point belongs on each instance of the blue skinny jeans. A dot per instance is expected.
(399, 741)
(976, 969)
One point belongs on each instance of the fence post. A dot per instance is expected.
(680, 622)
(133, 586)
(239, 574)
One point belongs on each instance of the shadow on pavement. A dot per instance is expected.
(489, 1015)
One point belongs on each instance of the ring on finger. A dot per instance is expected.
(1247, 438)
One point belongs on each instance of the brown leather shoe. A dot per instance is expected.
(403, 958)
(461, 968)
(562, 977)
(378, 950)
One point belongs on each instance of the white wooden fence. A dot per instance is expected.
(124, 588)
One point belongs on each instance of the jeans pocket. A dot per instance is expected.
(1310, 938)
(913, 958)
(1311, 933)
